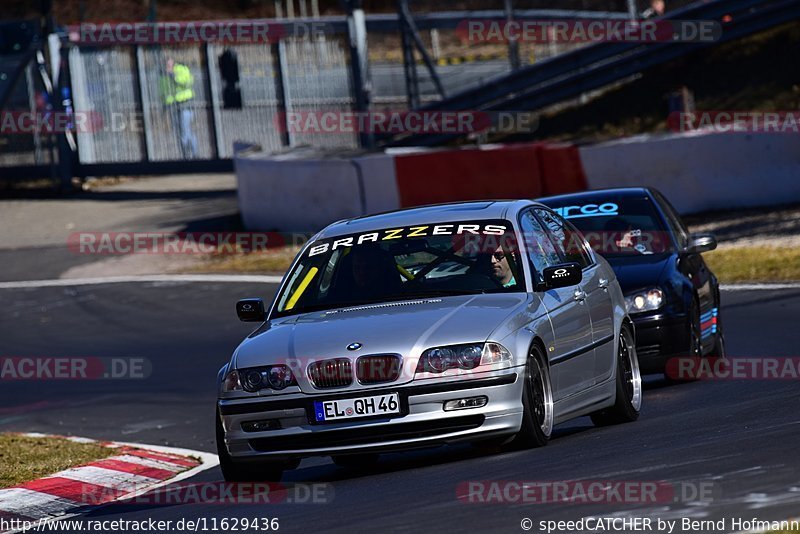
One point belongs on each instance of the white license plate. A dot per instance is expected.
(359, 407)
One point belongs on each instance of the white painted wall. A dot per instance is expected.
(703, 171)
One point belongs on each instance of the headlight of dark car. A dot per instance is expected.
(645, 300)
(466, 357)
(275, 377)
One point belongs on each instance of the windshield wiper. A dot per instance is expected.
(436, 293)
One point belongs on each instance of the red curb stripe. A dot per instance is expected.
(74, 490)
(183, 462)
(133, 469)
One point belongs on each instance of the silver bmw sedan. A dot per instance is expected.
(482, 322)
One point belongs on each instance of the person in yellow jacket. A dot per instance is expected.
(176, 89)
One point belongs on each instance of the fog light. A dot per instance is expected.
(465, 404)
(261, 426)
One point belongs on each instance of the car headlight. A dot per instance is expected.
(231, 382)
(646, 300)
(467, 356)
(275, 377)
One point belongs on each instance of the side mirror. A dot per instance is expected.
(566, 274)
(251, 310)
(701, 243)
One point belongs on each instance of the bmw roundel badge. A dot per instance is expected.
(354, 346)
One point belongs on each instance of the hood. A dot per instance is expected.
(406, 328)
(637, 272)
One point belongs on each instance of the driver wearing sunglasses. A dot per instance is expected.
(501, 269)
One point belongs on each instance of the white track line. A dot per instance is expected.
(264, 279)
(759, 287)
(174, 278)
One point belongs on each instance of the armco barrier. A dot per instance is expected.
(304, 190)
(702, 171)
(431, 177)
(294, 194)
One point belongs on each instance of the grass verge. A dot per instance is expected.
(23, 458)
(755, 264)
(731, 265)
(274, 261)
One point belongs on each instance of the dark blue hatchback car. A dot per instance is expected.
(670, 293)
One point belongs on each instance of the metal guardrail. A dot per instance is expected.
(572, 74)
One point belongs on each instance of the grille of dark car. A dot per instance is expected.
(328, 374)
(378, 369)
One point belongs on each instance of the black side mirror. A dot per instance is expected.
(563, 275)
(701, 243)
(251, 310)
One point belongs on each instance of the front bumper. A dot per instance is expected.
(422, 423)
(660, 337)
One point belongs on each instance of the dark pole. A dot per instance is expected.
(513, 45)
(409, 61)
(48, 23)
(280, 91)
(152, 14)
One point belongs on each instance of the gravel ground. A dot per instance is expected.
(774, 226)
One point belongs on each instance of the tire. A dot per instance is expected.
(628, 401)
(694, 343)
(356, 461)
(537, 402)
(244, 472)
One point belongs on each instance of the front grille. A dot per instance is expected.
(378, 369)
(328, 374)
(367, 435)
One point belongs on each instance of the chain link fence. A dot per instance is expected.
(122, 87)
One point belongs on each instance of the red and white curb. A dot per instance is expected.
(134, 470)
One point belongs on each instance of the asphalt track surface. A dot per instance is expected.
(737, 437)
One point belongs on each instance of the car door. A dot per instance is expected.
(596, 279)
(691, 264)
(571, 357)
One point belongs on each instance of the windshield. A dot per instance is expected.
(618, 228)
(428, 260)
